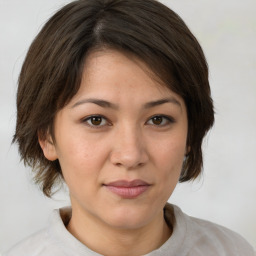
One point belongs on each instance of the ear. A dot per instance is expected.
(188, 148)
(48, 147)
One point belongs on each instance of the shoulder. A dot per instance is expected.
(33, 245)
(39, 244)
(44, 242)
(220, 238)
(207, 238)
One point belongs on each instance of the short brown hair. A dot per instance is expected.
(51, 72)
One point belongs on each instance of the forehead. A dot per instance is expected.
(112, 63)
(111, 73)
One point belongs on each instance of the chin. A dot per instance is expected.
(128, 218)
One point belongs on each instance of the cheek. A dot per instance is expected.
(80, 166)
(168, 162)
(80, 158)
(171, 151)
(168, 157)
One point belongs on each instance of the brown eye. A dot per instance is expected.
(160, 120)
(157, 120)
(96, 121)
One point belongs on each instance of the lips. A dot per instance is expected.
(128, 189)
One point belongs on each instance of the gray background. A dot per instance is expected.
(226, 192)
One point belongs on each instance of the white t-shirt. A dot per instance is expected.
(190, 237)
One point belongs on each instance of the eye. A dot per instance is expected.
(160, 120)
(96, 121)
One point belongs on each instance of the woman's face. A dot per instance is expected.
(120, 142)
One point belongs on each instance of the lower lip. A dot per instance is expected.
(128, 192)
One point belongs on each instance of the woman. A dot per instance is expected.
(114, 99)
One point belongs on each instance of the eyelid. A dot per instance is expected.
(169, 119)
(87, 118)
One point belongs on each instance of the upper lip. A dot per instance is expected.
(127, 184)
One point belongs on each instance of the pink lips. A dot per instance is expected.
(128, 189)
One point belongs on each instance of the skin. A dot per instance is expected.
(124, 142)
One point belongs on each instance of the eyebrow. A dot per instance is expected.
(162, 101)
(107, 104)
(99, 102)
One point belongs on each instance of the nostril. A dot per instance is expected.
(128, 154)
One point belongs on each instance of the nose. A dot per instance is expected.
(129, 149)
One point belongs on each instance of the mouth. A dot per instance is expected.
(128, 189)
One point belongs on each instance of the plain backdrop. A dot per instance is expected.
(226, 193)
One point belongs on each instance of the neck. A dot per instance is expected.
(107, 240)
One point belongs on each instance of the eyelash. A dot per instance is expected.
(168, 120)
(90, 118)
